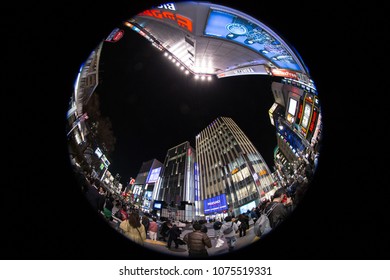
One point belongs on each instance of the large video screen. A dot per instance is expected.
(215, 204)
(153, 175)
(231, 27)
(157, 205)
(249, 206)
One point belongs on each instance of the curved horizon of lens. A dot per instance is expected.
(204, 96)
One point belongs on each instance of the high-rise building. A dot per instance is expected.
(233, 175)
(177, 180)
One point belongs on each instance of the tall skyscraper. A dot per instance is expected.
(233, 175)
(177, 180)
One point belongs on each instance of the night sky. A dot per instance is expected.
(154, 106)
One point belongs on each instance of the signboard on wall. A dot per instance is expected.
(228, 26)
(153, 175)
(215, 204)
(250, 70)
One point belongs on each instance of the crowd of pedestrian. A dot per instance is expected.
(139, 227)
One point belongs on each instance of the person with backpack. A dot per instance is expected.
(262, 225)
(228, 230)
(278, 211)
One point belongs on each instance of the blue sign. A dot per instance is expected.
(153, 175)
(244, 32)
(215, 204)
(196, 181)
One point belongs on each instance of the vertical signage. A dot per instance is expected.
(196, 182)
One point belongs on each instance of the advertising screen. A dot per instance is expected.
(292, 106)
(115, 35)
(157, 205)
(306, 115)
(248, 206)
(98, 152)
(148, 195)
(215, 204)
(231, 27)
(153, 175)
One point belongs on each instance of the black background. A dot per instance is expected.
(345, 214)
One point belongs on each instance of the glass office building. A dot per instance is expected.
(231, 170)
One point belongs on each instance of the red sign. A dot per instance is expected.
(284, 73)
(180, 20)
(313, 119)
(115, 35)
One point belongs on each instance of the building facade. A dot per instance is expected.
(231, 170)
(178, 176)
(296, 115)
(145, 183)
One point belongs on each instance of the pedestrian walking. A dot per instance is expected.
(217, 228)
(243, 224)
(164, 228)
(153, 229)
(145, 221)
(197, 242)
(228, 230)
(173, 234)
(278, 210)
(133, 228)
(203, 224)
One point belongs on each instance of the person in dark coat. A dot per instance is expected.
(204, 227)
(173, 235)
(197, 242)
(145, 221)
(164, 230)
(279, 211)
(101, 198)
(93, 196)
(244, 224)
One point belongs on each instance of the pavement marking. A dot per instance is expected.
(155, 242)
(256, 239)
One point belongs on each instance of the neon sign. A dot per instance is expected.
(180, 20)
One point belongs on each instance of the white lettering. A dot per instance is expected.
(167, 6)
(243, 71)
(214, 202)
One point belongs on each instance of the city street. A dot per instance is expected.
(182, 251)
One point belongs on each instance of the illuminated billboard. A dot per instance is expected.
(153, 175)
(249, 206)
(115, 35)
(231, 27)
(215, 204)
(98, 152)
(157, 205)
(306, 115)
(292, 107)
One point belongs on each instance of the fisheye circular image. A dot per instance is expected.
(194, 129)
